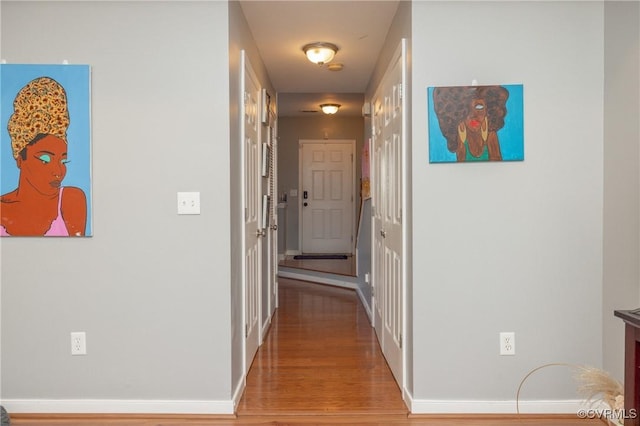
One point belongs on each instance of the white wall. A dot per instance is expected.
(621, 178)
(509, 246)
(151, 288)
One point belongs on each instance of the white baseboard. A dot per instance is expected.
(113, 406)
(265, 328)
(292, 252)
(110, 406)
(237, 394)
(366, 304)
(425, 406)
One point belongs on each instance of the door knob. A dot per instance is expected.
(260, 233)
(305, 204)
(383, 233)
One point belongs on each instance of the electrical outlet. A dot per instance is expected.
(507, 343)
(79, 343)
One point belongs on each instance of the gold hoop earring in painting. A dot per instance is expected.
(462, 132)
(484, 129)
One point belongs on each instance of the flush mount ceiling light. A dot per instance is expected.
(329, 108)
(320, 53)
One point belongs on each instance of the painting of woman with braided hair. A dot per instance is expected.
(475, 123)
(37, 198)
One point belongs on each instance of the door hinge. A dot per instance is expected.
(352, 238)
(246, 214)
(400, 340)
(246, 330)
(400, 91)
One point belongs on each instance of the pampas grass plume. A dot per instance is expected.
(596, 384)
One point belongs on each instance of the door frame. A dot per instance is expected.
(247, 70)
(271, 239)
(302, 142)
(400, 54)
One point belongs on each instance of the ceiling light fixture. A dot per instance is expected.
(330, 108)
(320, 52)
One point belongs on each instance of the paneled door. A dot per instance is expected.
(252, 200)
(327, 196)
(387, 176)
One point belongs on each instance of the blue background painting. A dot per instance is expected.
(76, 81)
(511, 136)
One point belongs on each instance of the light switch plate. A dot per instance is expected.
(293, 192)
(188, 203)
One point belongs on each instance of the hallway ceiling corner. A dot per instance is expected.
(280, 30)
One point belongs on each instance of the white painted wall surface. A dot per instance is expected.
(151, 288)
(509, 246)
(621, 284)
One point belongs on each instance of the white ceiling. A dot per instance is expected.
(281, 28)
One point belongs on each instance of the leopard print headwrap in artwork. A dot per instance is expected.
(40, 107)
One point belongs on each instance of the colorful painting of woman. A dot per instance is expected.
(470, 119)
(40, 205)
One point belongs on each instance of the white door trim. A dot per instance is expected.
(301, 142)
(399, 55)
(402, 50)
(247, 70)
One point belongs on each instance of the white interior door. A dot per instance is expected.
(387, 178)
(252, 209)
(327, 196)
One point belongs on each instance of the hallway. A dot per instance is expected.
(320, 356)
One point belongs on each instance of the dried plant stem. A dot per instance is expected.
(553, 364)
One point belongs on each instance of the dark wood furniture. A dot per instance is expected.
(631, 365)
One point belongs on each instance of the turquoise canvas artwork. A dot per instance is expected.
(45, 151)
(475, 123)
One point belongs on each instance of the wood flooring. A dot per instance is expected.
(320, 356)
(345, 267)
(320, 364)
